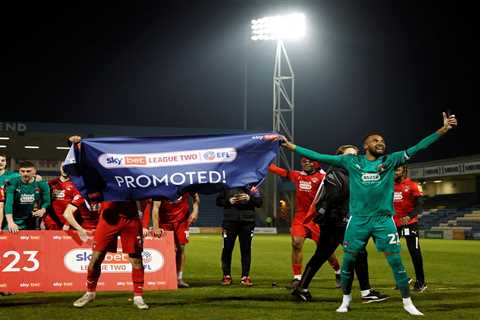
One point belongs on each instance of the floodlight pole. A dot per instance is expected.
(283, 113)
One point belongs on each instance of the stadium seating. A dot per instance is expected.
(453, 223)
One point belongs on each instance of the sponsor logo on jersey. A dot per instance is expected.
(370, 177)
(58, 194)
(305, 185)
(397, 196)
(27, 198)
(165, 159)
(77, 261)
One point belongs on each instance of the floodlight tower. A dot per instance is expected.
(280, 28)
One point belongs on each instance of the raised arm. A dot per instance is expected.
(273, 168)
(448, 123)
(324, 158)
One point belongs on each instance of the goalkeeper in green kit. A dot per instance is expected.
(371, 179)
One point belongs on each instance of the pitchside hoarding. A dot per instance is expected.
(55, 261)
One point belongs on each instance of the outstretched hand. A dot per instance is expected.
(449, 122)
(284, 142)
(74, 139)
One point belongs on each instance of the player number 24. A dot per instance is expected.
(16, 258)
(394, 238)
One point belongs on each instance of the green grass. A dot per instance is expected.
(451, 269)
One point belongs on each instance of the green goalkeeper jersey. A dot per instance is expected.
(371, 182)
(22, 198)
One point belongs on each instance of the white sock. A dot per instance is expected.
(180, 275)
(365, 292)
(297, 277)
(347, 298)
(410, 308)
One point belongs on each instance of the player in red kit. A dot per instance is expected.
(176, 216)
(62, 193)
(407, 202)
(119, 218)
(307, 182)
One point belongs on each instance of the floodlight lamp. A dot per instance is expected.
(291, 26)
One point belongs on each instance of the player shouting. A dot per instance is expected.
(371, 204)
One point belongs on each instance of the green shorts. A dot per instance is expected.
(381, 228)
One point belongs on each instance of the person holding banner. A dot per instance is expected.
(117, 218)
(26, 199)
(307, 182)
(371, 187)
(174, 216)
(238, 220)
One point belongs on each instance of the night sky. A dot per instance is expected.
(387, 66)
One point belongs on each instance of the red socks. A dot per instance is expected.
(137, 278)
(297, 269)
(92, 278)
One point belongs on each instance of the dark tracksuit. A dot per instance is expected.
(238, 220)
(332, 215)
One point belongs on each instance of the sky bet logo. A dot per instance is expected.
(167, 159)
(113, 161)
(77, 260)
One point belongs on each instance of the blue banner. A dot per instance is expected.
(125, 168)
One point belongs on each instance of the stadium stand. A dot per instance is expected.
(451, 223)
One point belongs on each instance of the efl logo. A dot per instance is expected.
(209, 155)
(135, 160)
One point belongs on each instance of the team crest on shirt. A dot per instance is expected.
(381, 168)
(315, 180)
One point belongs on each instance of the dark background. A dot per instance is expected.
(387, 66)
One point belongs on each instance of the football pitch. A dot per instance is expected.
(451, 268)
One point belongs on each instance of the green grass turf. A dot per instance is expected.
(451, 267)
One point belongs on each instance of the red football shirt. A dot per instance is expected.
(63, 194)
(89, 216)
(306, 186)
(405, 193)
(174, 211)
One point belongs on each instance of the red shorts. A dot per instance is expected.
(180, 231)
(51, 224)
(309, 230)
(129, 230)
